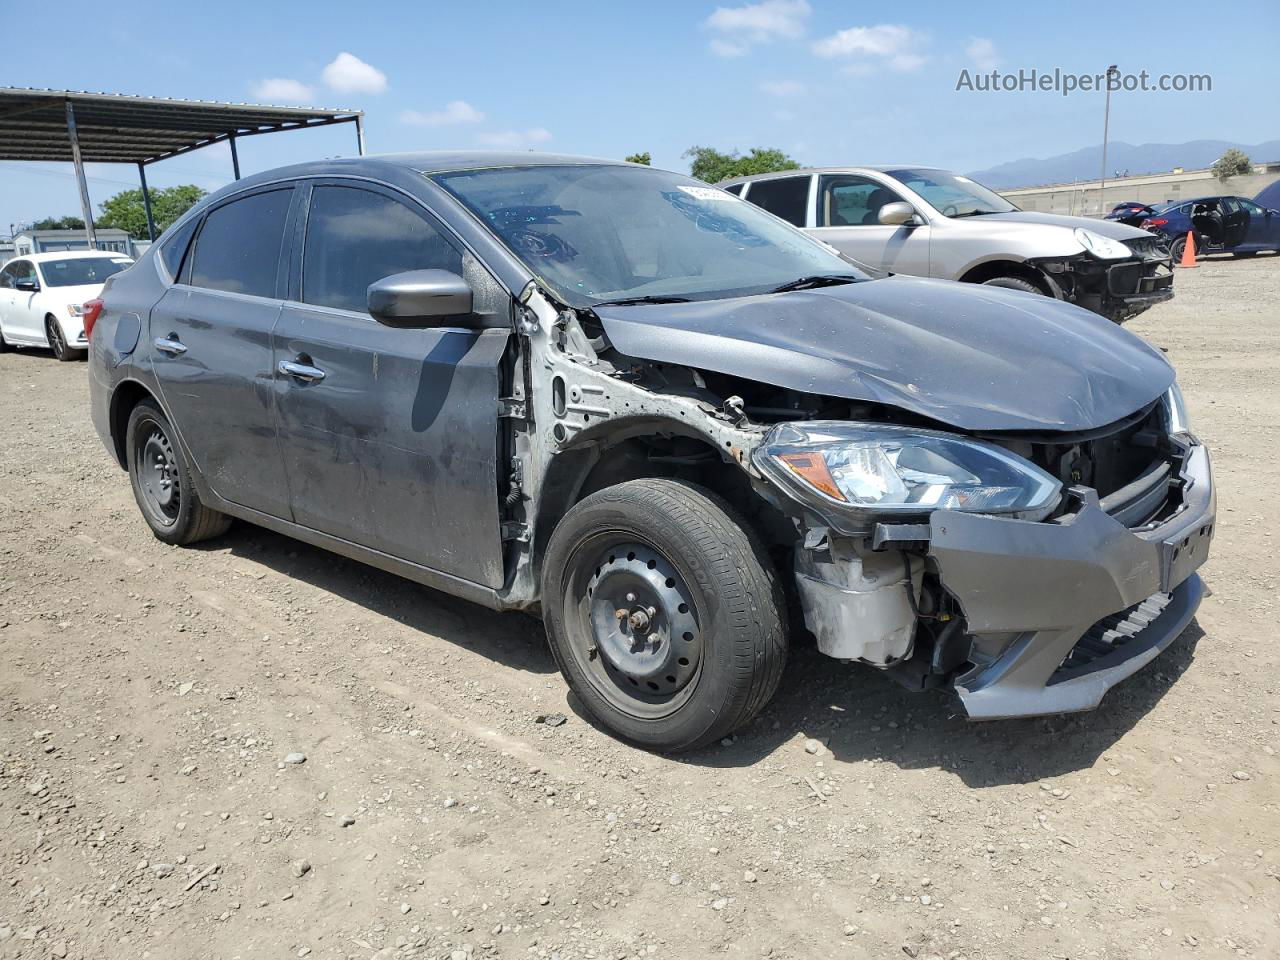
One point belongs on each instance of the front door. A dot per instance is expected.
(848, 218)
(210, 347)
(390, 435)
(22, 319)
(1264, 227)
(1235, 222)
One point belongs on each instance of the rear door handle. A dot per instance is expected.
(170, 345)
(300, 371)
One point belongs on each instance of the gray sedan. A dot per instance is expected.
(933, 223)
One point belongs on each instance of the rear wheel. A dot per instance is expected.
(161, 480)
(58, 342)
(663, 613)
(1177, 247)
(1013, 283)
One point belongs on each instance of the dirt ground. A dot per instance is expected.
(149, 697)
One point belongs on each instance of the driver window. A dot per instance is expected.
(852, 201)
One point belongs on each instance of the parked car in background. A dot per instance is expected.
(1129, 212)
(1234, 225)
(42, 298)
(638, 406)
(933, 223)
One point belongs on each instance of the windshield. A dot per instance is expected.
(81, 271)
(951, 194)
(602, 233)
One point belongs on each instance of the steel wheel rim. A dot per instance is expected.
(634, 629)
(156, 464)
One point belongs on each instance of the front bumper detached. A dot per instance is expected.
(1060, 612)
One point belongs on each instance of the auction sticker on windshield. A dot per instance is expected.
(707, 193)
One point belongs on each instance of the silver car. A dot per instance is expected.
(934, 223)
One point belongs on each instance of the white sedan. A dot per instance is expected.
(42, 298)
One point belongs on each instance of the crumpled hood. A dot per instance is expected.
(977, 358)
(1107, 228)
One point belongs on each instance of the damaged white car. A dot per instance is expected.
(660, 417)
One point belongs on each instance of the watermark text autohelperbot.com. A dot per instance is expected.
(1065, 83)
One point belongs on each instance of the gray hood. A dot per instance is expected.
(977, 358)
(1107, 228)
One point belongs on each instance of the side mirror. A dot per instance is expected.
(28, 286)
(897, 214)
(419, 298)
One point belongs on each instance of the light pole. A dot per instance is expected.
(1112, 71)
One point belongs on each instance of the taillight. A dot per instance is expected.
(92, 311)
(1153, 222)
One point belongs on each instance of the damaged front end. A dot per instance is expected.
(1118, 288)
(1026, 611)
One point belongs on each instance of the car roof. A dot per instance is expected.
(73, 255)
(805, 171)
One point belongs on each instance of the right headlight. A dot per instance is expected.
(887, 469)
(1174, 409)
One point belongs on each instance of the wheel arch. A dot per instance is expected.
(990, 269)
(126, 395)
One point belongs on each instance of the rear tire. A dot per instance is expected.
(1177, 247)
(1013, 283)
(58, 343)
(663, 613)
(161, 480)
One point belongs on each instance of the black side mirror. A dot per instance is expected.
(420, 298)
(28, 286)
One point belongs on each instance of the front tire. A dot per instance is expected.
(57, 342)
(1013, 283)
(663, 613)
(161, 480)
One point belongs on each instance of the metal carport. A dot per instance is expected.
(71, 125)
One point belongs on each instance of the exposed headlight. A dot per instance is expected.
(75, 309)
(1102, 247)
(1175, 412)
(881, 468)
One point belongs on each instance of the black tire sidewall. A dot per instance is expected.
(1013, 283)
(179, 531)
(58, 343)
(719, 695)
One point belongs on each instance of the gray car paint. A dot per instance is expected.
(982, 359)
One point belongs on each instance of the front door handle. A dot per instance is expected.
(300, 371)
(171, 345)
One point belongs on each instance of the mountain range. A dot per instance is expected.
(1124, 157)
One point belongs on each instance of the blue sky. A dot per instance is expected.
(829, 82)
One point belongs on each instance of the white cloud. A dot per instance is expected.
(783, 88)
(515, 139)
(282, 90)
(349, 74)
(886, 44)
(983, 53)
(738, 29)
(455, 111)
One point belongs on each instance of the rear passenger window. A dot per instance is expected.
(356, 237)
(787, 197)
(238, 249)
(174, 246)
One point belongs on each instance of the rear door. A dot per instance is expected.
(390, 435)
(848, 218)
(211, 348)
(784, 197)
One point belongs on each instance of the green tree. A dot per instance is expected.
(1233, 163)
(125, 210)
(643, 158)
(711, 165)
(58, 223)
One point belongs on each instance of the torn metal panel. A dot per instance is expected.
(977, 358)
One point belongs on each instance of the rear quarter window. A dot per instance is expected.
(174, 247)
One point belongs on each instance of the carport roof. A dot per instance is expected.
(115, 128)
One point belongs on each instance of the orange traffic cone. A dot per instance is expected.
(1189, 253)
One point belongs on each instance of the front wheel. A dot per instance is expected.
(58, 342)
(1013, 283)
(663, 613)
(161, 480)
